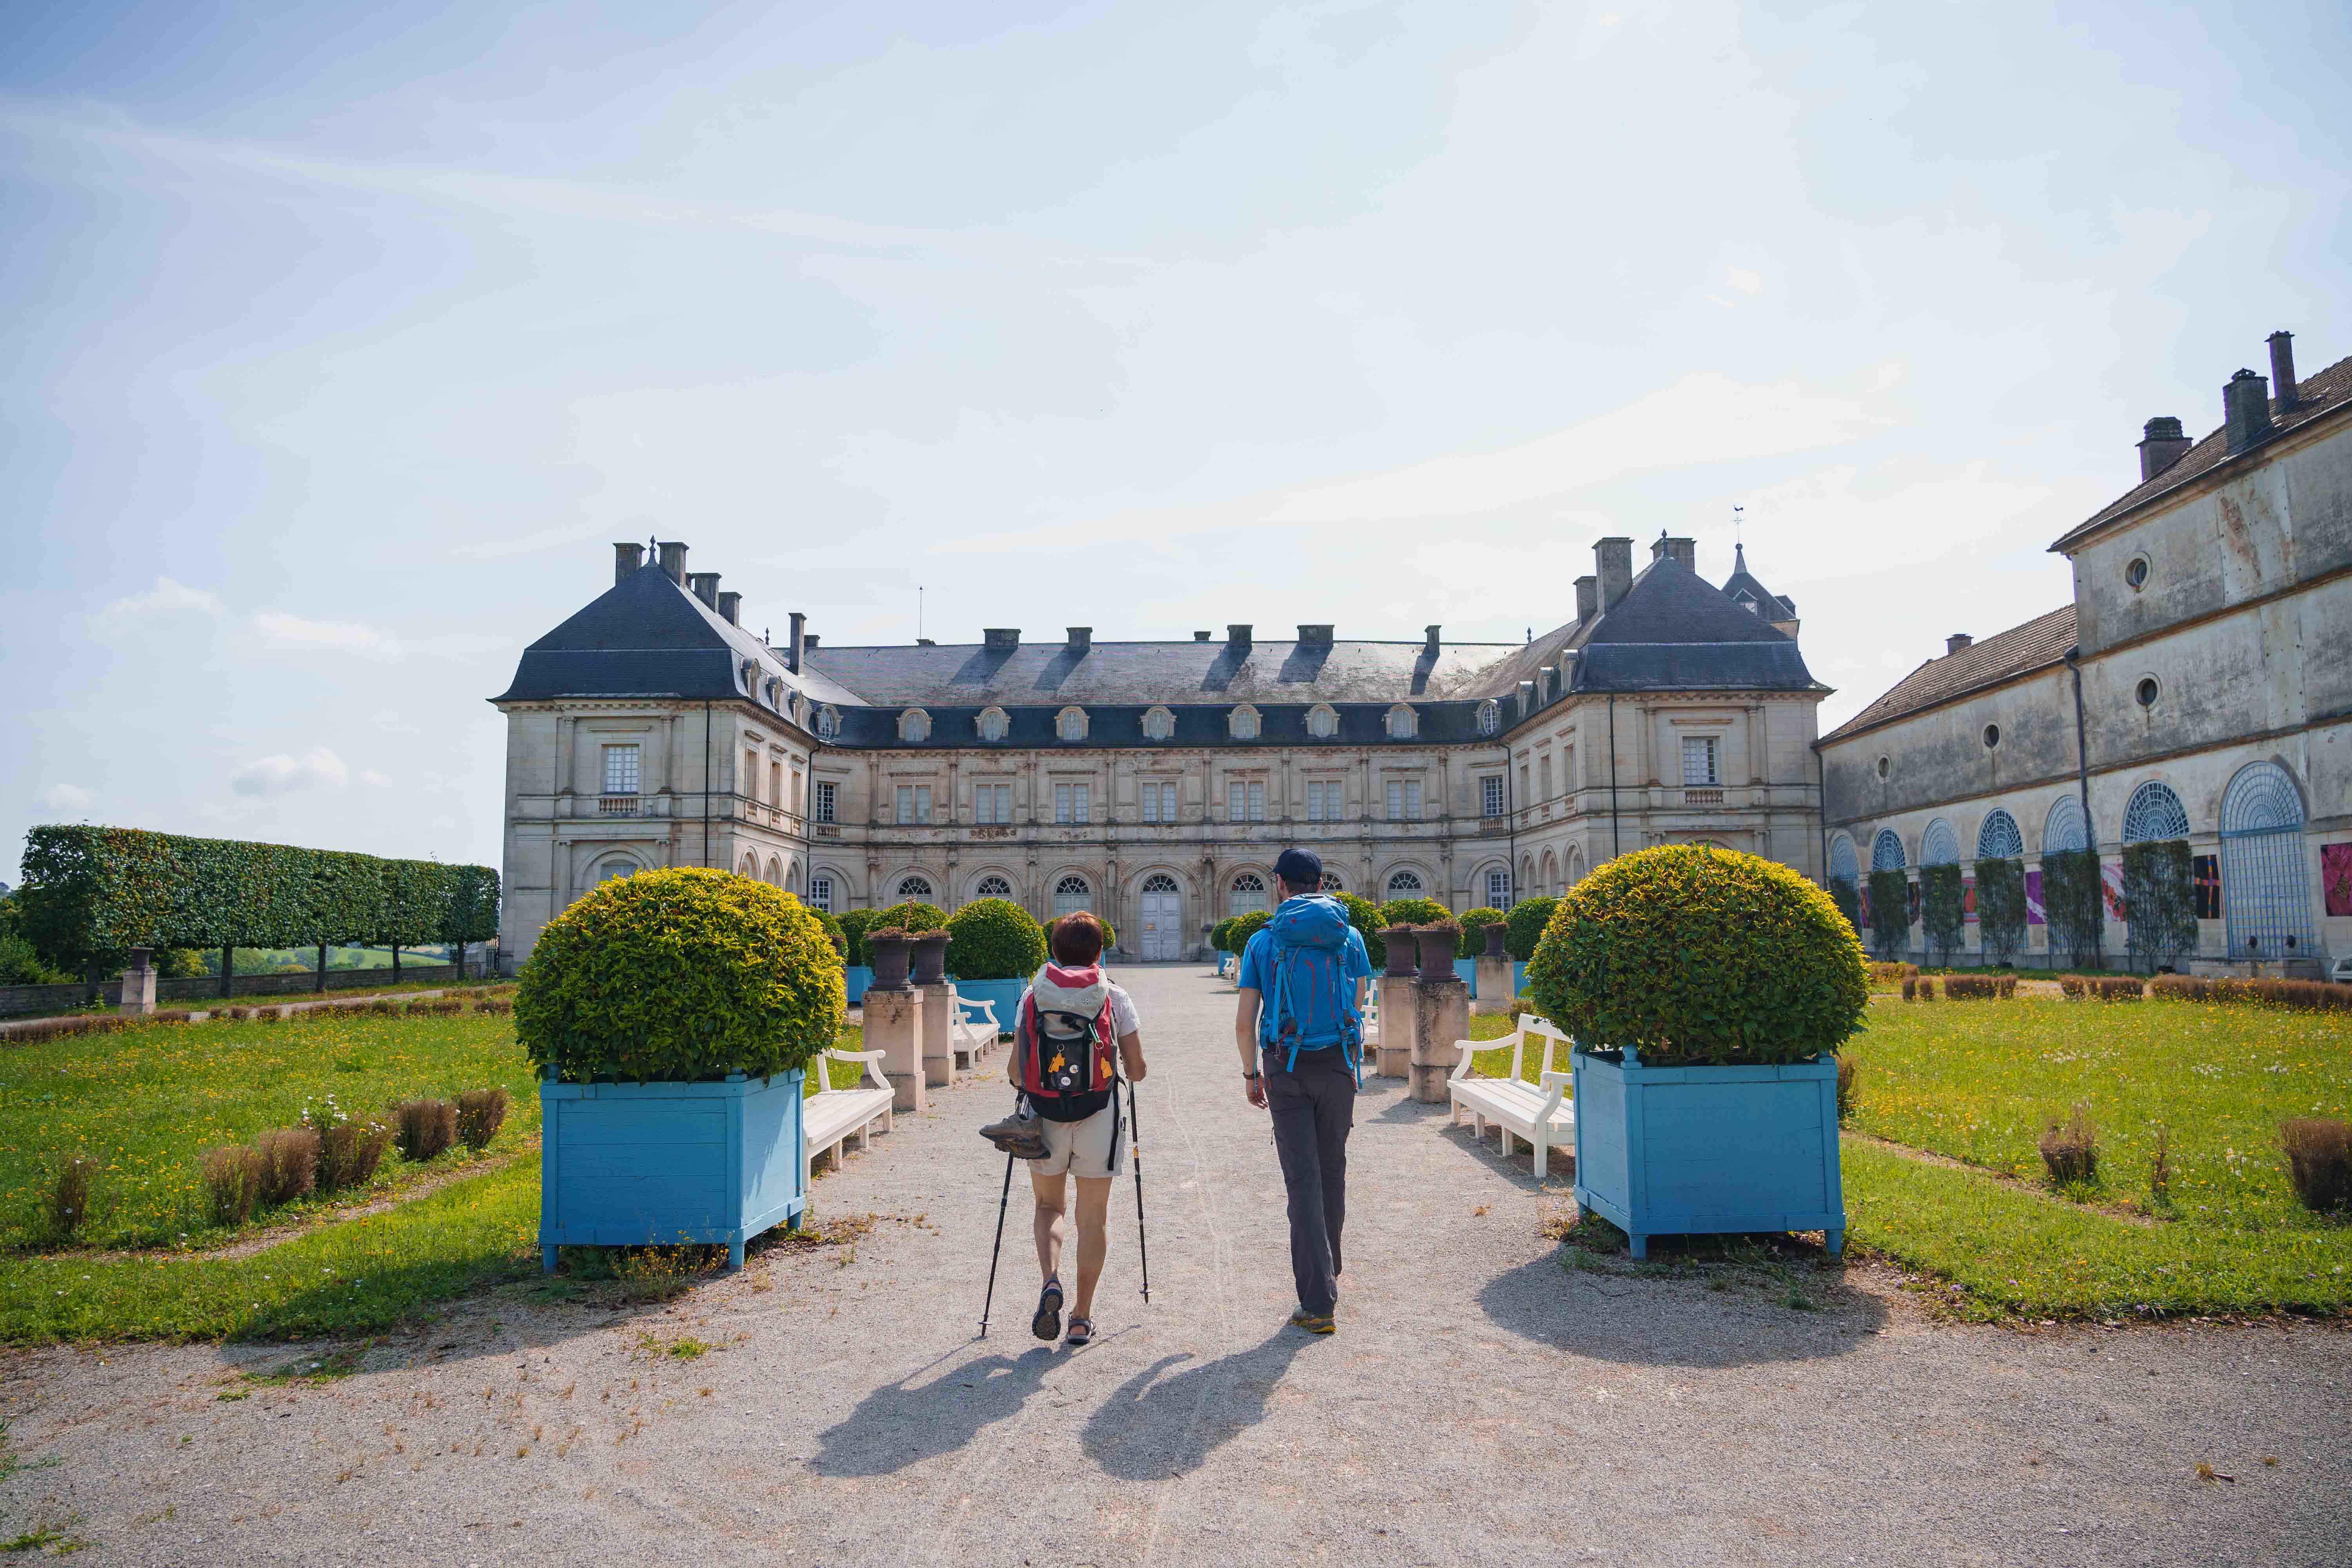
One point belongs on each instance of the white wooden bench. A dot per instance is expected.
(1534, 1112)
(1373, 1013)
(831, 1116)
(973, 1036)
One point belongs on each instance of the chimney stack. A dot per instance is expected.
(799, 641)
(1313, 636)
(2246, 411)
(704, 586)
(1428, 641)
(1200, 636)
(1955, 642)
(808, 641)
(2283, 370)
(2160, 446)
(1613, 558)
(730, 605)
(1081, 639)
(626, 558)
(673, 561)
(1684, 553)
(1001, 637)
(1588, 599)
(1237, 635)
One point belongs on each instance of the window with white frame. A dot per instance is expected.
(1071, 802)
(1332, 884)
(752, 776)
(1071, 895)
(826, 792)
(1158, 724)
(1322, 722)
(828, 722)
(1243, 723)
(1245, 800)
(620, 770)
(914, 726)
(1405, 800)
(1699, 761)
(914, 888)
(1490, 717)
(1248, 894)
(1404, 885)
(1070, 724)
(1490, 796)
(821, 893)
(1156, 800)
(1403, 724)
(776, 784)
(991, 805)
(1327, 799)
(1543, 776)
(914, 804)
(1498, 888)
(993, 724)
(992, 887)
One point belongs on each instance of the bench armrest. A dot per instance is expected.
(1553, 1081)
(983, 1007)
(1469, 1050)
(873, 1066)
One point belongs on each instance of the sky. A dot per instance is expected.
(342, 342)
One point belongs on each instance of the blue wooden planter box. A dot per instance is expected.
(1467, 968)
(855, 979)
(639, 1164)
(1704, 1149)
(1005, 993)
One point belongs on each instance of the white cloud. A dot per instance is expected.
(317, 768)
(274, 632)
(66, 800)
(162, 599)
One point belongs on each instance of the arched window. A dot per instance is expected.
(1322, 722)
(1248, 893)
(1939, 845)
(1243, 723)
(993, 724)
(2065, 828)
(1159, 883)
(1070, 724)
(914, 726)
(1071, 894)
(775, 872)
(2265, 894)
(828, 722)
(1158, 724)
(1498, 887)
(1575, 864)
(617, 866)
(1886, 851)
(1402, 722)
(792, 877)
(1550, 872)
(1998, 839)
(914, 888)
(1404, 885)
(750, 868)
(2155, 814)
(1490, 717)
(1845, 866)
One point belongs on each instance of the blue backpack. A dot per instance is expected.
(1310, 1003)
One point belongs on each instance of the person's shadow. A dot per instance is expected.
(1155, 1428)
(903, 1423)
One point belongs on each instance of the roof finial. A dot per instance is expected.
(1738, 548)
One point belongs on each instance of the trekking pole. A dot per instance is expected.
(1135, 1158)
(1003, 1199)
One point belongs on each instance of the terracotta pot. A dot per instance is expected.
(1405, 953)
(931, 958)
(1438, 945)
(1495, 935)
(891, 955)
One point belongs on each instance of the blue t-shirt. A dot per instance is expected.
(1257, 970)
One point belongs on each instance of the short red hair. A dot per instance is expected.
(1076, 939)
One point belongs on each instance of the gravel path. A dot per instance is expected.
(1481, 1403)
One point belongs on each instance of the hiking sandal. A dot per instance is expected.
(1048, 1323)
(1081, 1334)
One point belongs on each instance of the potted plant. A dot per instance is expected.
(1438, 940)
(892, 950)
(1707, 992)
(998, 945)
(1476, 924)
(670, 1015)
(1401, 953)
(930, 958)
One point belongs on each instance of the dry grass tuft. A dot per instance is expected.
(68, 1202)
(2071, 1149)
(349, 1153)
(232, 1178)
(1847, 1073)
(288, 1157)
(2319, 1162)
(480, 1113)
(424, 1128)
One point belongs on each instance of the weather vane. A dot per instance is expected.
(1738, 514)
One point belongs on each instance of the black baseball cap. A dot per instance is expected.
(1301, 869)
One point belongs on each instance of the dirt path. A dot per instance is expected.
(1480, 1405)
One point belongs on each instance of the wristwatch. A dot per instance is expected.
(1248, 1077)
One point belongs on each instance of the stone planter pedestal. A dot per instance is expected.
(1493, 986)
(138, 985)
(1395, 981)
(936, 1011)
(1440, 1016)
(894, 1026)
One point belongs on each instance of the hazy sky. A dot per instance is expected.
(341, 340)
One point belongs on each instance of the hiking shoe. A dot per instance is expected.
(1313, 1322)
(1048, 1325)
(1018, 1135)
(1081, 1335)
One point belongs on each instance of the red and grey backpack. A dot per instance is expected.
(1064, 1041)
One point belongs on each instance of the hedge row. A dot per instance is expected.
(91, 891)
(2310, 995)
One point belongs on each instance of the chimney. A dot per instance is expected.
(626, 558)
(704, 586)
(2246, 411)
(1200, 636)
(1955, 642)
(2283, 370)
(1684, 553)
(1081, 639)
(731, 607)
(2160, 446)
(808, 641)
(1428, 641)
(1001, 637)
(673, 561)
(1614, 559)
(1588, 599)
(800, 640)
(1237, 635)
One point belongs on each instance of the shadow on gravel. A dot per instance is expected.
(1666, 1312)
(902, 1423)
(1153, 1429)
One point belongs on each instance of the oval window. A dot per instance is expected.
(2147, 691)
(1992, 736)
(2135, 572)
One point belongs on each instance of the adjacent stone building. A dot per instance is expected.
(2199, 689)
(1153, 783)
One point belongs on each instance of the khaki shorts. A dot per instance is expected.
(1087, 1148)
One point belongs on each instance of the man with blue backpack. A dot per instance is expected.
(1300, 1032)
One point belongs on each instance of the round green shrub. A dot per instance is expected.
(1701, 956)
(1110, 934)
(995, 938)
(833, 931)
(1365, 916)
(855, 924)
(1245, 926)
(1525, 923)
(1220, 935)
(684, 976)
(1414, 913)
(911, 915)
(1474, 931)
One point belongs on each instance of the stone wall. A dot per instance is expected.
(35, 1001)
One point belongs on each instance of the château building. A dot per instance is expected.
(1153, 783)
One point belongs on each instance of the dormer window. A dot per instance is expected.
(994, 725)
(1243, 723)
(1404, 723)
(828, 722)
(1070, 724)
(1490, 717)
(1158, 724)
(914, 726)
(1322, 722)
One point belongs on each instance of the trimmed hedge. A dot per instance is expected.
(855, 924)
(1943, 910)
(1414, 913)
(2118, 988)
(1247, 926)
(2160, 901)
(1220, 935)
(1701, 956)
(834, 933)
(995, 938)
(1890, 913)
(684, 976)
(1848, 898)
(2306, 995)
(2072, 902)
(1526, 923)
(1474, 929)
(911, 916)
(1365, 916)
(2000, 909)
(93, 891)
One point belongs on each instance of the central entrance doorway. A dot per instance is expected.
(1163, 919)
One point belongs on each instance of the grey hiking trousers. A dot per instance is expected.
(1313, 1107)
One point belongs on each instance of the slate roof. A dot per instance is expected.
(2319, 396)
(2037, 644)
(1149, 672)
(1744, 589)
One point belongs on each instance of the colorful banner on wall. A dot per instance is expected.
(2205, 877)
(2335, 877)
(2033, 912)
(2111, 883)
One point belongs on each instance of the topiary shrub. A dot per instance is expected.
(1943, 910)
(912, 916)
(1247, 926)
(1890, 913)
(2000, 909)
(1414, 913)
(1474, 931)
(1701, 956)
(684, 976)
(833, 931)
(1220, 935)
(1365, 916)
(1526, 923)
(855, 924)
(995, 938)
